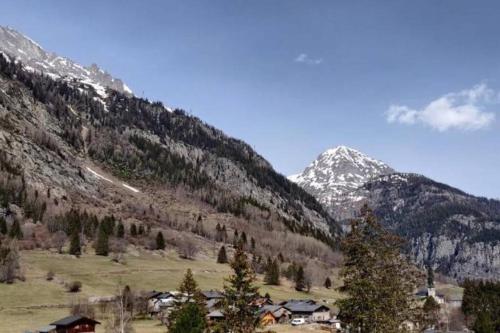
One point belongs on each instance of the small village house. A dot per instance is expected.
(307, 309)
(273, 314)
(75, 324)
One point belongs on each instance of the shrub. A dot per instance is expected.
(74, 287)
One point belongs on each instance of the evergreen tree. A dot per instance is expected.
(120, 231)
(3, 226)
(378, 281)
(239, 291)
(430, 312)
(74, 246)
(483, 324)
(328, 283)
(272, 273)
(188, 316)
(189, 319)
(252, 244)
(222, 256)
(188, 286)
(133, 230)
(102, 245)
(160, 241)
(141, 230)
(15, 230)
(300, 279)
(430, 277)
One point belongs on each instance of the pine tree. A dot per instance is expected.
(222, 256)
(74, 246)
(239, 291)
(300, 279)
(483, 324)
(120, 231)
(160, 241)
(328, 283)
(3, 226)
(141, 230)
(15, 230)
(188, 315)
(430, 277)
(252, 244)
(188, 286)
(272, 273)
(430, 312)
(102, 246)
(378, 281)
(133, 230)
(189, 319)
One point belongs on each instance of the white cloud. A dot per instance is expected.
(462, 110)
(305, 59)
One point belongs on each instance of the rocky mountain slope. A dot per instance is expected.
(458, 234)
(336, 173)
(75, 142)
(35, 58)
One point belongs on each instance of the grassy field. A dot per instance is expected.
(37, 302)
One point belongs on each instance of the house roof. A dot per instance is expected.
(152, 294)
(215, 314)
(71, 320)
(304, 306)
(212, 302)
(209, 294)
(47, 329)
(164, 295)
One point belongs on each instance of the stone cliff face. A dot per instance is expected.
(55, 129)
(458, 234)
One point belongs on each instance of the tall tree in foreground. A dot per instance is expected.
(188, 315)
(239, 290)
(378, 281)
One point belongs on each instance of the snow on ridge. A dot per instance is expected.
(35, 58)
(337, 172)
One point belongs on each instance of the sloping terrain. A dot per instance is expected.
(457, 233)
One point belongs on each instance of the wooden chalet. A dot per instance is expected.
(75, 324)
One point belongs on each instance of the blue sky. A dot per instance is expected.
(415, 84)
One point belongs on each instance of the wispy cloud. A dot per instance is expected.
(305, 59)
(462, 110)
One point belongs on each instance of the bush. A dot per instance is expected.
(50, 276)
(74, 287)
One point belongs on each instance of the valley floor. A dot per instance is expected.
(37, 302)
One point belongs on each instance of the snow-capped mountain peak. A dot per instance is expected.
(338, 171)
(35, 58)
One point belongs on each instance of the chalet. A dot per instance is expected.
(160, 301)
(212, 294)
(75, 324)
(260, 302)
(215, 316)
(307, 309)
(273, 314)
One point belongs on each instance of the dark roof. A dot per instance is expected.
(164, 295)
(209, 294)
(304, 306)
(73, 319)
(152, 294)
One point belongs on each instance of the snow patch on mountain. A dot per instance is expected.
(35, 58)
(337, 172)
